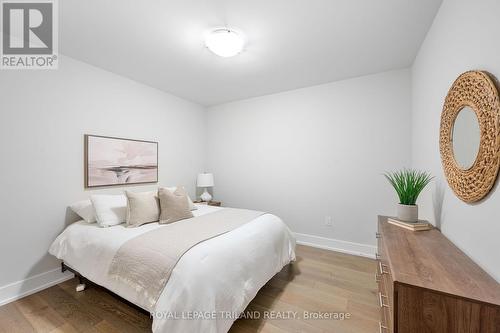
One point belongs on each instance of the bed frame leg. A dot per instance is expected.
(81, 280)
(81, 287)
(81, 284)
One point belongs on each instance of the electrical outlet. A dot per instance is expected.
(328, 221)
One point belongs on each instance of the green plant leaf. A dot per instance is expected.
(408, 184)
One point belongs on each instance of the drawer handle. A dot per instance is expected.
(378, 235)
(381, 300)
(381, 268)
(381, 327)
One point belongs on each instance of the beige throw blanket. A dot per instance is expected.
(145, 262)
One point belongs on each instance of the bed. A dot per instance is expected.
(211, 283)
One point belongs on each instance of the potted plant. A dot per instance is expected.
(408, 184)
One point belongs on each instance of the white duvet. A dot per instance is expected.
(211, 283)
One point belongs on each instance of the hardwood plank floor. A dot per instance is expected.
(319, 281)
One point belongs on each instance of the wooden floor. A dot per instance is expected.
(320, 281)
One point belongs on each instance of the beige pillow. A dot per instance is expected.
(191, 204)
(142, 208)
(174, 205)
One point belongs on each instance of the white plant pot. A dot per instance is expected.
(407, 213)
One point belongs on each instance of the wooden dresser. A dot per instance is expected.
(426, 284)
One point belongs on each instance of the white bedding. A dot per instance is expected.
(218, 276)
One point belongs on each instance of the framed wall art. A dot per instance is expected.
(111, 161)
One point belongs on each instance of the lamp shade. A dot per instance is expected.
(205, 180)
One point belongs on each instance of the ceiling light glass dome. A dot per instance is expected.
(224, 42)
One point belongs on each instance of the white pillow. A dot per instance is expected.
(191, 204)
(109, 209)
(85, 210)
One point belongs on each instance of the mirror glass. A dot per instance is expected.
(466, 138)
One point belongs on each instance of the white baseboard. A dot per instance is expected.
(331, 244)
(31, 285)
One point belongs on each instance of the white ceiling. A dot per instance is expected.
(290, 43)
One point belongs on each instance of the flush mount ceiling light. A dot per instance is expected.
(224, 42)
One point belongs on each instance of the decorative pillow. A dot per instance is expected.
(174, 205)
(85, 210)
(109, 209)
(142, 208)
(191, 204)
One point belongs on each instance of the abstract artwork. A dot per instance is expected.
(117, 161)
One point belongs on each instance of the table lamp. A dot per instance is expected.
(205, 180)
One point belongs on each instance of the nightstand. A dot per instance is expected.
(210, 203)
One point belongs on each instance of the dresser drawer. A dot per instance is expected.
(385, 299)
(384, 273)
(385, 321)
(386, 276)
(386, 288)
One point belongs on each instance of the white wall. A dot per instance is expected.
(43, 117)
(314, 152)
(464, 36)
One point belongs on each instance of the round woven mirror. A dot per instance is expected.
(470, 136)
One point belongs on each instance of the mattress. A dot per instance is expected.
(212, 283)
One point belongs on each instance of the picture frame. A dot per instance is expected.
(115, 161)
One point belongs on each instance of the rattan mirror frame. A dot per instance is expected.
(477, 90)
